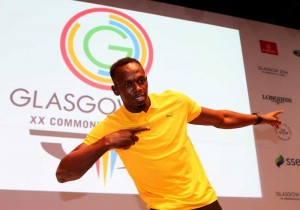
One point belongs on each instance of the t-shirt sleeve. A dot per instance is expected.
(192, 107)
(195, 110)
(100, 130)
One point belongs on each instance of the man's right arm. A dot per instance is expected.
(80, 160)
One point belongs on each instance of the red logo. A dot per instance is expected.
(268, 47)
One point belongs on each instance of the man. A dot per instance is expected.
(149, 133)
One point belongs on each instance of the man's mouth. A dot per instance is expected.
(140, 98)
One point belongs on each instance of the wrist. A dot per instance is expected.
(259, 118)
(107, 143)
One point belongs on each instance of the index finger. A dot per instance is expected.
(139, 129)
(279, 112)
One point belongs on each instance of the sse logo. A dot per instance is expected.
(95, 38)
(280, 160)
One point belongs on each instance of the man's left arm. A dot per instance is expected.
(227, 119)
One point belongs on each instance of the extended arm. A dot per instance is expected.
(81, 159)
(229, 119)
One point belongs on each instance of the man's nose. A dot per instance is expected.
(136, 86)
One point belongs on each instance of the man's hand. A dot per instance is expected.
(124, 138)
(272, 118)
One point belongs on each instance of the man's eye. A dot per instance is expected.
(128, 84)
(141, 81)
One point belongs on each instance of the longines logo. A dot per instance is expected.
(284, 132)
(273, 71)
(277, 99)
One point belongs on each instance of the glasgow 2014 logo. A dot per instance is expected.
(94, 38)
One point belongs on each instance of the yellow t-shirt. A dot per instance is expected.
(163, 163)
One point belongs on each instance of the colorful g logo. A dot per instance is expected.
(95, 38)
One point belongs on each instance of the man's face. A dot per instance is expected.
(131, 84)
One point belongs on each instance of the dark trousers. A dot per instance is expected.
(213, 206)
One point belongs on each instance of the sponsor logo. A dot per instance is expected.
(273, 71)
(279, 161)
(95, 38)
(296, 52)
(169, 115)
(288, 195)
(277, 99)
(283, 132)
(268, 47)
(288, 161)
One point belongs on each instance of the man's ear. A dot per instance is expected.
(114, 89)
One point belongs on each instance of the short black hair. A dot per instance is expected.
(121, 62)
